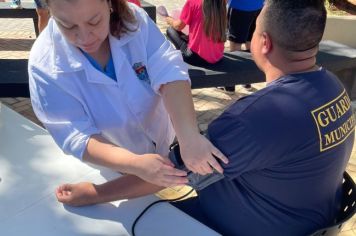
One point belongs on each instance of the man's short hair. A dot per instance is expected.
(295, 25)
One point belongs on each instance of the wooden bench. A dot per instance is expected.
(29, 11)
(150, 9)
(239, 68)
(236, 68)
(14, 78)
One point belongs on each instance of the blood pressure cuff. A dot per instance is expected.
(196, 181)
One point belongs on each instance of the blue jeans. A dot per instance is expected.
(39, 3)
(17, 2)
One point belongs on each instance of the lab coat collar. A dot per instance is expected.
(119, 59)
(66, 57)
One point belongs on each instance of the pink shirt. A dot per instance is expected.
(137, 2)
(192, 15)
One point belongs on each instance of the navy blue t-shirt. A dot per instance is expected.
(288, 146)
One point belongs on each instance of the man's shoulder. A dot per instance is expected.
(243, 112)
(281, 94)
(244, 104)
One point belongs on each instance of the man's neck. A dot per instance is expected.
(291, 63)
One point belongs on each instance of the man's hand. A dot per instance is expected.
(199, 155)
(159, 171)
(80, 194)
(124, 187)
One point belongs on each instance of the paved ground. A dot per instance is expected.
(17, 36)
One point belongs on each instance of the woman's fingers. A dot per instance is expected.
(169, 181)
(167, 161)
(172, 176)
(216, 152)
(170, 170)
(202, 157)
(214, 164)
(205, 168)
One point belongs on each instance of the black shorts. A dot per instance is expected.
(192, 207)
(180, 41)
(241, 25)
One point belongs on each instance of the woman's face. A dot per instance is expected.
(84, 23)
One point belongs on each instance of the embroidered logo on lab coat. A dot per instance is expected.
(141, 72)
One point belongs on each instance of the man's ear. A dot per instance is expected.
(266, 43)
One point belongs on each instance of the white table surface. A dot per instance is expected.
(32, 166)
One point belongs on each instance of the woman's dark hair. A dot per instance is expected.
(121, 17)
(214, 12)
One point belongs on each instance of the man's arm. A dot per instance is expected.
(85, 193)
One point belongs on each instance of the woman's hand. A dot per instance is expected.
(177, 24)
(157, 170)
(80, 194)
(197, 152)
(200, 155)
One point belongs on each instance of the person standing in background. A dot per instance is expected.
(204, 44)
(41, 9)
(137, 2)
(242, 16)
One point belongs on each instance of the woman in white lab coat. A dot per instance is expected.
(109, 88)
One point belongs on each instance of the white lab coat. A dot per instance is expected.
(74, 101)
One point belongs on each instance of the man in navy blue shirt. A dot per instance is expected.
(288, 144)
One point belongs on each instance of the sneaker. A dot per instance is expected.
(15, 5)
(228, 89)
(162, 11)
(248, 87)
